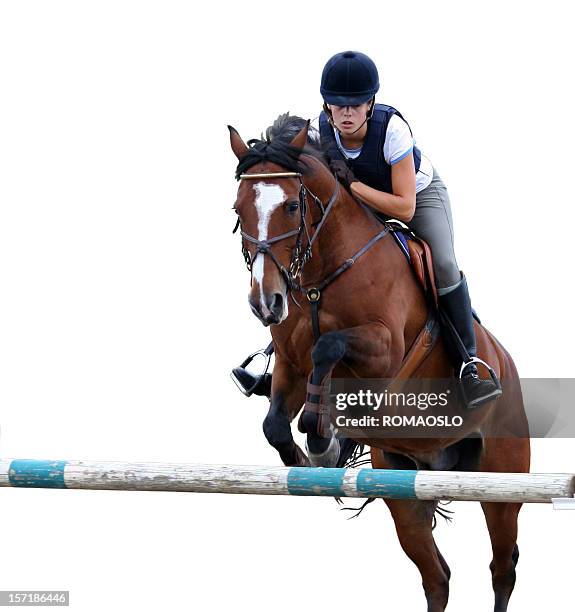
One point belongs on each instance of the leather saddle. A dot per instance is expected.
(419, 255)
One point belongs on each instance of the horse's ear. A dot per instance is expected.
(300, 139)
(239, 147)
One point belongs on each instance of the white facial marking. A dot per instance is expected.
(268, 198)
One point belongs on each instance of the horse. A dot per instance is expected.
(298, 226)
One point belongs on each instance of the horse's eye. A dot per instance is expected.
(292, 206)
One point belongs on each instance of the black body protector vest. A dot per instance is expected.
(369, 166)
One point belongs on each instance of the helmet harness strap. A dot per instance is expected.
(368, 116)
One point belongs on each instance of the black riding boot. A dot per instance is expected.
(254, 384)
(456, 305)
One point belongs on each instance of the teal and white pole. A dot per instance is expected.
(264, 480)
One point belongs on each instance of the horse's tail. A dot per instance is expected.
(353, 454)
(443, 512)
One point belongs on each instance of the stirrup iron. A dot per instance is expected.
(267, 354)
(487, 398)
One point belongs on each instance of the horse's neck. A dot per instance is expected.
(348, 227)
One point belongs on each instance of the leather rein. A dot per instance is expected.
(301, 255)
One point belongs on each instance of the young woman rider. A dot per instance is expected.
(373, 153)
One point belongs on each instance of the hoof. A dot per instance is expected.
(326, 459)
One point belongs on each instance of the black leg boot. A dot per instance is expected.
(456, 305)
(254, 384)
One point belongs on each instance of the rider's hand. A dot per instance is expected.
(342, 172)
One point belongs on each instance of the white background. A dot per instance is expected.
(123, 293)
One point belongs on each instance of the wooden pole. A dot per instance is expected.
(264, 480)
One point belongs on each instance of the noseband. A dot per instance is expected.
(300, 255)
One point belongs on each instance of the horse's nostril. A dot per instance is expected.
(277, 303)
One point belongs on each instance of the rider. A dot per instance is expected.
(373, 153)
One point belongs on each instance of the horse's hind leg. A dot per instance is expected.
(501, 454)
(502, 525)
(413, 522)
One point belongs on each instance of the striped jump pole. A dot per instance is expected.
(558, 489)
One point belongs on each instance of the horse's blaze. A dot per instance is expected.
(269, 197)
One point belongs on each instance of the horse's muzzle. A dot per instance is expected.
(270, 309)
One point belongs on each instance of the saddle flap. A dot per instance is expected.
(422, 264)
(418, 254)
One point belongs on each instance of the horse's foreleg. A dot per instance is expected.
(364, 348)
(288, 395)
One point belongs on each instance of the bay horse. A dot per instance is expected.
(298, 224)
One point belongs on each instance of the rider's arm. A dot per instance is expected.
(401, 203)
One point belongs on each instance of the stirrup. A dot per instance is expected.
(267, 354)
(485, 398)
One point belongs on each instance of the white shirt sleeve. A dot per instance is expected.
(398, 140)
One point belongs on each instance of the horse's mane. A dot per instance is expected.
(275, 146)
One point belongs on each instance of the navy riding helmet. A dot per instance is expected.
(349, 78)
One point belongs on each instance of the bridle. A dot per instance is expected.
(300, 254)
